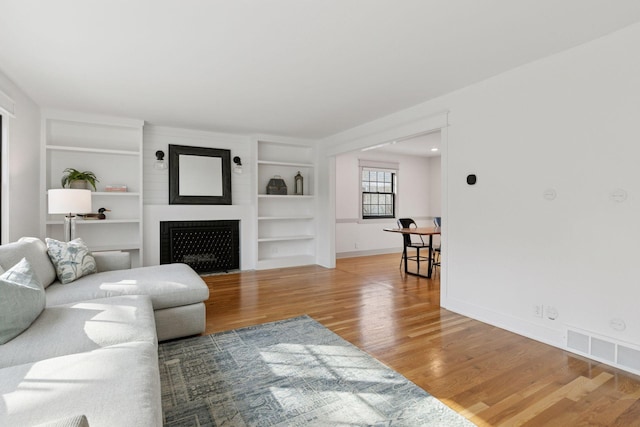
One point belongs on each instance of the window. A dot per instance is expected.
(378, 193)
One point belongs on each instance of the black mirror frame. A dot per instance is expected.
(175, 198)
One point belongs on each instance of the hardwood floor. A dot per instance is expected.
(491, 376)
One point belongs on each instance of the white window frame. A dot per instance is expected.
(382, 166)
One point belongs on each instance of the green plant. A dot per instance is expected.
(71, 174)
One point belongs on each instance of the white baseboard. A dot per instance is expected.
(353, 254)
(533, 330)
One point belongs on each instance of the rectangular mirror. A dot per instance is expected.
(199, 176)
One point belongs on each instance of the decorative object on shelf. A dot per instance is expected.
(115, 188)
(277, 186)
(298, 187)
(75, 179)
(99, 215)
(69, 201)
(238, 165)
(160, 164)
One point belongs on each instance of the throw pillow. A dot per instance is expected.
(21, 300)
(72, 260)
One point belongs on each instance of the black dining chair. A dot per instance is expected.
(437, 221)
(416, 244)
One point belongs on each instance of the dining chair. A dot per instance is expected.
(437, 221)
(417, 243)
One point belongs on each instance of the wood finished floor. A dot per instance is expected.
(491, 376)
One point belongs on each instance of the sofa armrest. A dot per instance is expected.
(112, 260)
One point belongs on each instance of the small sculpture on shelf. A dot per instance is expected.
(277, 185)
(99, 215)
(299, 191)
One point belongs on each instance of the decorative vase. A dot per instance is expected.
(79, 184)
(298, 184)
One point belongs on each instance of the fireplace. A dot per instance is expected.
(206, 246)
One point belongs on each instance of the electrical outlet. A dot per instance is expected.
(537, 310)
(618, 324)
(274, 250)
(356, 245)
(552, 313)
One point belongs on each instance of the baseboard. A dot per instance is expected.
(353, 254)
(516, 325)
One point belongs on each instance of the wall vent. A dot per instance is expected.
(604, 349)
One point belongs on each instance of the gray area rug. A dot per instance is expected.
(293, 372)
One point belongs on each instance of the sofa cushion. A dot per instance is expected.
(168, 285)
(72, 421)
(117, 385)
(72, 260)
(82, 326)
(22, 300)
(35, 251)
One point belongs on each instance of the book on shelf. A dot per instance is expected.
(115, 188)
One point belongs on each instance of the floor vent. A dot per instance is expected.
(604, 349)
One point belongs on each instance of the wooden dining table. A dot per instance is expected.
(420, 231)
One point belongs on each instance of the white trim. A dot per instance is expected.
(388, 167)
(365, 135)
(376, 164)
(7, 105)
(370, 252)
(95, 119)
(444, 216)
(5, 177)
(390, 221)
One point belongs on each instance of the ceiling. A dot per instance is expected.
(301, 68)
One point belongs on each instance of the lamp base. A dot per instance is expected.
(69, 227)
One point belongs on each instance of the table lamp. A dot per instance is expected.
(69, 202)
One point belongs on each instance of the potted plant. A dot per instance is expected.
(73, 178)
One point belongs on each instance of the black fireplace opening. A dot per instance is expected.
(206, 246)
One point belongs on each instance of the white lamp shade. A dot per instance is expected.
(66, 200)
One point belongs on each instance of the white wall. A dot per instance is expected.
(21, 166)
(156, 189)
(570, 123)
(415, 179)
(434, 181)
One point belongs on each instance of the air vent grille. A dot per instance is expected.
(604, 349)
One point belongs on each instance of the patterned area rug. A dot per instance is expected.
(293, 372)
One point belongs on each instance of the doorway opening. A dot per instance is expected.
(421, 181)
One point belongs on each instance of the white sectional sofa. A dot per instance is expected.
(90, 357)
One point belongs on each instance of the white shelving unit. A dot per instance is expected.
(286, 223)
(112, 149)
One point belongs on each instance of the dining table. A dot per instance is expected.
(420, 231)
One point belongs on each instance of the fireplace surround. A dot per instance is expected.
(206, 246)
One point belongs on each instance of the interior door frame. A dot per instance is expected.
(432, 123)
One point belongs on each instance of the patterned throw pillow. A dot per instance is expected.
(72, 259)
(21, 300)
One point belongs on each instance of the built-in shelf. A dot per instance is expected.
(119, 247)
(92, 150)
(286, 164)
(286, 224)
(81, 221)
(111, 148)
(115, 193)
